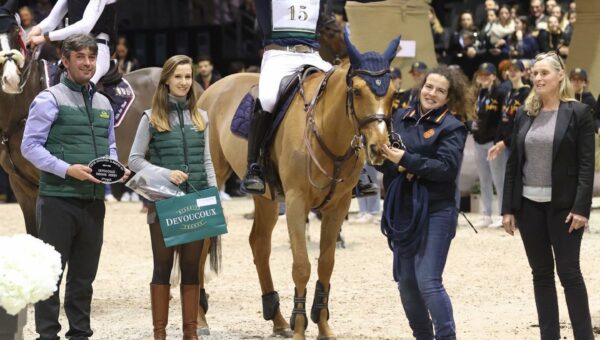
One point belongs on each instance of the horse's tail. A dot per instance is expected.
(215, 254)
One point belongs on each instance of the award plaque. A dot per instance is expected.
(106, 170)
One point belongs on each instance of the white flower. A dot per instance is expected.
(29, 271)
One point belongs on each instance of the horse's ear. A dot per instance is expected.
(353, 52)
(11, 5)
(392, 49)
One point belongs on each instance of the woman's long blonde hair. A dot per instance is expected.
(159, 118)
(533, 103)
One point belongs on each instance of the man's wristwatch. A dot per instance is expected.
(47, 37)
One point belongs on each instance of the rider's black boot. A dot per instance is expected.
(254, 181)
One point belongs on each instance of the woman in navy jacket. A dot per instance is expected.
(548, 192)
(420, 206)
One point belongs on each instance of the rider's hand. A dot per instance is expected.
(177, 177)
(82, 173)
(35, 31)
(37, 40)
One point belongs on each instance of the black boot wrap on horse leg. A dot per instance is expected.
(270, 304)
(254, 182)
(299, 309)
(203, 301)
(320, 301)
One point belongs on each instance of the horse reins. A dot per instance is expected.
(355, 145)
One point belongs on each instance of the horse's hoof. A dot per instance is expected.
(283, 333)
(325, 337)
(203, 331)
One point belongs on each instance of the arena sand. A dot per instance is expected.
(487, 277)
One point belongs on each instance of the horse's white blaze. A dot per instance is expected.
(10, 73)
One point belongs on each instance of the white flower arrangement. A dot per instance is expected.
(29, 271)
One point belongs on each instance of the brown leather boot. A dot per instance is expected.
(159, 299)
(189, 310)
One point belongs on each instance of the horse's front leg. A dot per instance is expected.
(296, 219)
(333, 217)
(265, 218)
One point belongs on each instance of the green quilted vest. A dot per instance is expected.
(182, 148)
(78, 135)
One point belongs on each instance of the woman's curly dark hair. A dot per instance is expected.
(461, 95)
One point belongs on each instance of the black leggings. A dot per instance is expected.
(545, 233)
(189, 257)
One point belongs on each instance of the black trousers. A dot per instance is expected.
(544, 233)
(74, 227)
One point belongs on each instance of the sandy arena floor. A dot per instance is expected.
(487, 277)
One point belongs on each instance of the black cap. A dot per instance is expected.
(487, 67)
(579, 73)
(418, 66)
(396, 73)
(518, 64)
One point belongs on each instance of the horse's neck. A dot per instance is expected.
(334, 124)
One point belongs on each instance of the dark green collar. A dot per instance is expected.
(76, 87)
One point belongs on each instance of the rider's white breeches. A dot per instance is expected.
(278, 64)
(102, 62)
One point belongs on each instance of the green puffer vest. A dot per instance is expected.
(78, 135)
(182, 148)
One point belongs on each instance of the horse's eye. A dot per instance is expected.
(356, 92)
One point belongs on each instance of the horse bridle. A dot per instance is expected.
(350, 97)
(9, 56)
(356, 143)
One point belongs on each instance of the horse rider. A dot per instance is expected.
(289, 32)
(97, 17)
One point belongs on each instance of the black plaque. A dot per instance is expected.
(107, 170)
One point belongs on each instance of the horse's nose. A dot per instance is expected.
(373, 148)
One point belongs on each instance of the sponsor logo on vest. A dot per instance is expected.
(104, 115)
(194, 216)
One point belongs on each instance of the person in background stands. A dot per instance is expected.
(515, 99)
(27, 21)
(484, 129)
(409, 97)
(206, 72)
(125, 61)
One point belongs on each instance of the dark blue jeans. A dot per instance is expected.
(421, 289)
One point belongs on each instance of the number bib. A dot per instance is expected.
(295, 18)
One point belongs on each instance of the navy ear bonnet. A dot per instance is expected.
(372, 67)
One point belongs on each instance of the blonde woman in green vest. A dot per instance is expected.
(172, 139)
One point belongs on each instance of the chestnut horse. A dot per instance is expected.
(317, 153)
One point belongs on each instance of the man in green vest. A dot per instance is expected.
(69, 125)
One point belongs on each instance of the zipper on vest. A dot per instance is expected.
(185, 151)
(88, 103)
